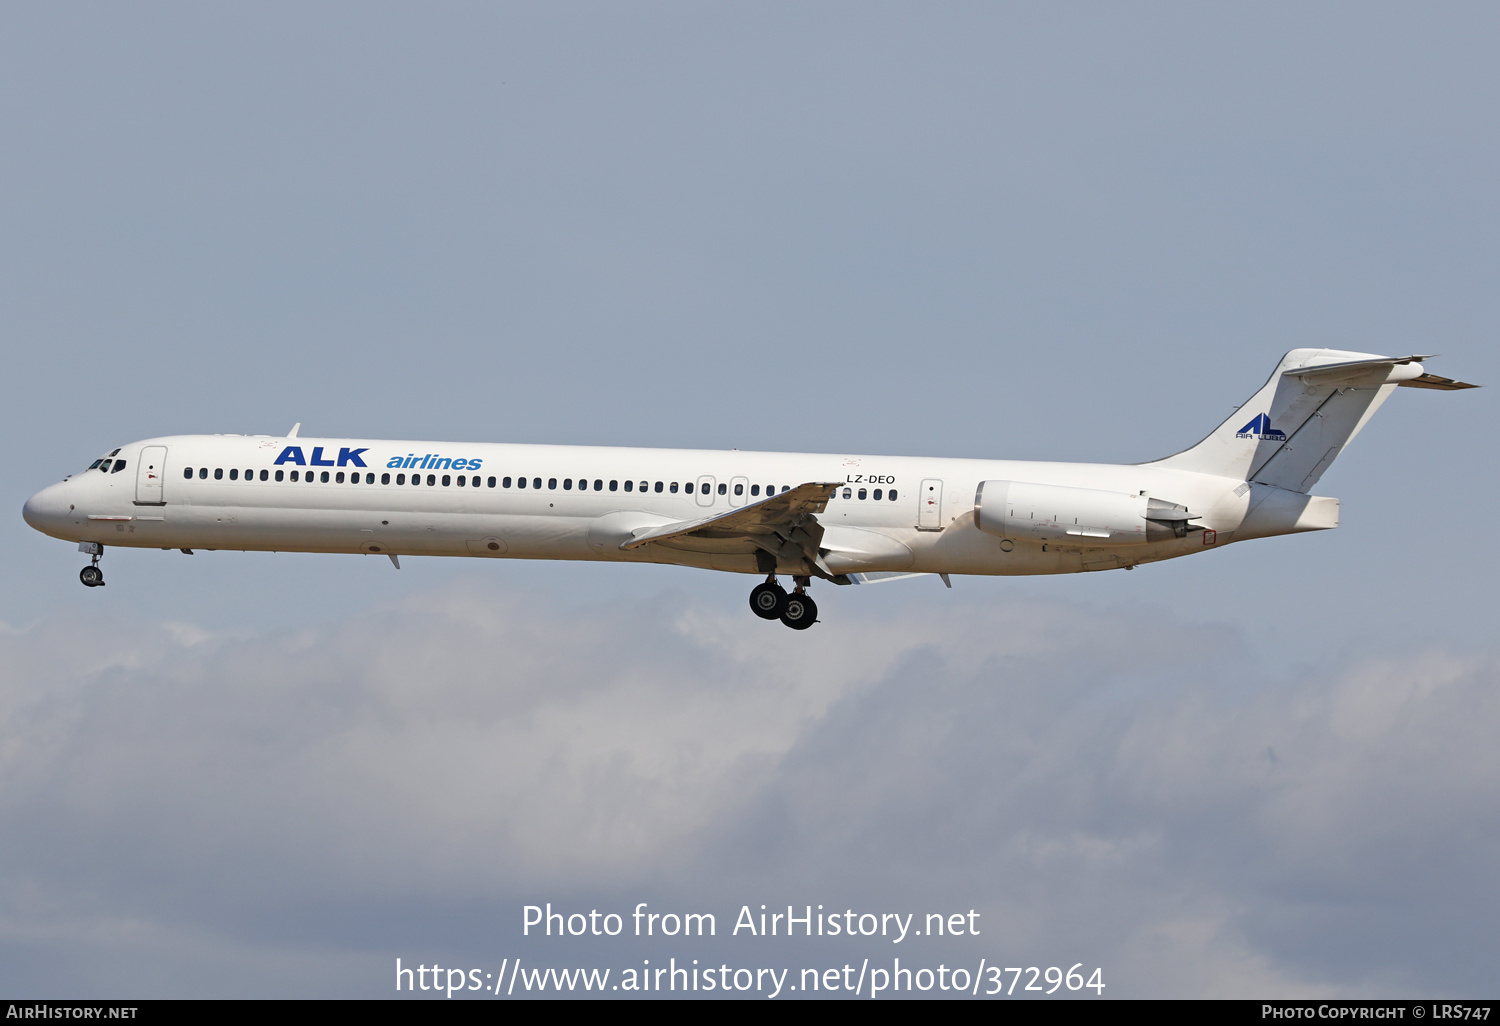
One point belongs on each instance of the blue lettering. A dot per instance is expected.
(350, 457)
(291, 454)
(460, 464)
(317, 457)
(474, 464)
(441, 464)
(396, 461)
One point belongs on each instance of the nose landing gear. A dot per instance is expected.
(91, 575)
(770, 601)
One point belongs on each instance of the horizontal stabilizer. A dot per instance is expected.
(1347, 368)
(1434, 381)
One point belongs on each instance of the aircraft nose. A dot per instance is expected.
(48, 509)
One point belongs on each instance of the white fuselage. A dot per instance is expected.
(892, 513)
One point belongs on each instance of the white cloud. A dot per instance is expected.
(1111, 787)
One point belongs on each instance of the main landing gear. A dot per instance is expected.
(769, 601)
(91, 575)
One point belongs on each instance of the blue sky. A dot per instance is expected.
(1078, 232)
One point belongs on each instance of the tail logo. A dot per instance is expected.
(1260, 428)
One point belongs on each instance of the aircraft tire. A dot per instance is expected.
(801, 612)
(91, 576)
(768, 601)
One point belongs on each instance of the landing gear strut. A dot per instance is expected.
(91, 575)
(769, 600)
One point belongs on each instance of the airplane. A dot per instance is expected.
(837, 518)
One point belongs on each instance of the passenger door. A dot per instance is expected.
(706, 490)
(739, 488)
(930, 505)
(149, 472)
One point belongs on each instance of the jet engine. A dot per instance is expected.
(1079, 516)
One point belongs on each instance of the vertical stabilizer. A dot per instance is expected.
(1288, 433)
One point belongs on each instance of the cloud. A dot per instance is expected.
(1114, 787)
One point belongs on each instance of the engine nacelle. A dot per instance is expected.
(1078, 516)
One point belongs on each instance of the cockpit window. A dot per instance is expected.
(103, 465)
(119, 466)
(95, 464)
(114, 452)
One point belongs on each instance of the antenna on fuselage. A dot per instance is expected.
(295, 428)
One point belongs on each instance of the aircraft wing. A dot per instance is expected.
(784, 524)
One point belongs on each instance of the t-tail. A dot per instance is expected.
(1289, 432)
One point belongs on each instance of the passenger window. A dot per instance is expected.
(861, 493)
(264, 475)
(520, 482)
(202, 473)
(891, 495)
(218, 473)
(460, 481)
(658, 486)
(598, 484)
(876, 494)
(338, 478)
(723, 489)
(848, 493)
(278, 475)
(552, 483)
(369, 478)
(385, 479)
(234, 473)
(645, 485)
(614, 486)
(739, 489)
(567, 484)
(431, 479)
(447, 480)
(630, 486)
(786, 488)
(492, 482)
(687, 488)
(506, 482)
(400, 479)
(755, 489)
(673, 488)
(323, 477)
(188, 473)
(249, 475)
